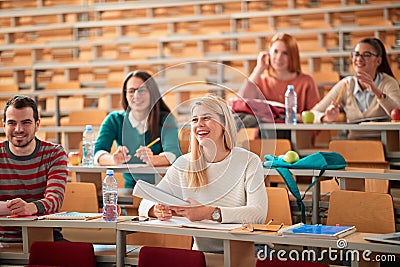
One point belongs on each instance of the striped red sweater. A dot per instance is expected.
(40, 178)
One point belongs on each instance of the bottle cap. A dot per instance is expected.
(110, 172)
(290, 87)
(89, 127)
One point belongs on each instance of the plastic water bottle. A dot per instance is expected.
(110, 197)
(88, 141)
(290, 105)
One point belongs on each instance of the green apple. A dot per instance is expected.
(307, 116)
(291, 156)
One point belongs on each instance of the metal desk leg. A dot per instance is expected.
(121, 248)
(316, 196)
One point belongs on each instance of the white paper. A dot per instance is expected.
(184, 222)
(153, 193)
(3, 208)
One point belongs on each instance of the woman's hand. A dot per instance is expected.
(263, 60)
(162, 212)
(332, 113)
(194, 212)
(366, 81)
(121, 155)
(145, 154)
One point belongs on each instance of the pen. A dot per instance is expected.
(162, 213)
(340, 93)
(150, 144)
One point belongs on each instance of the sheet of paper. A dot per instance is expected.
(173, 222)
(184, 222)
(3, 208)
(153, 193)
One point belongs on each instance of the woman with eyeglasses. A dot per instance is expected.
(370, 94)
(145, 118)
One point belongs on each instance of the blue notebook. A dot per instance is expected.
(318, 231)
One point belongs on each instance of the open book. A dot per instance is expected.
(317, 231)
(153, 193)
(85, 216)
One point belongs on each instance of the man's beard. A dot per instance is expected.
(19, 144)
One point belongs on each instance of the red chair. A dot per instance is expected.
(62, 254)
(170, 257)
(288, 263)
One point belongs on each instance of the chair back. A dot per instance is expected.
(80, 197)
(278, 206)
(365, 154)
(63, 254)
(274, 147)
(368, 211)
(170, 257)
(184, 140)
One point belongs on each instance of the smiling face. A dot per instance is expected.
(367, 64)
(207, 127)
(137, 95)
(20, 128)
(279, 58)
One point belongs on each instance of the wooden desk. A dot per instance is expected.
(245, 242)
(42, 230)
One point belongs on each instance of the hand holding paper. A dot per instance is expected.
(153, 193)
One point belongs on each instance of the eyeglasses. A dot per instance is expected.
(364, 55)
(141, 90)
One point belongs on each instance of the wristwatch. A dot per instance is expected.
(216, 215)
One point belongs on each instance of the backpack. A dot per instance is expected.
(317, 161)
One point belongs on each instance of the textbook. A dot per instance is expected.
(317, 231)
(153, 193)
(85, 216)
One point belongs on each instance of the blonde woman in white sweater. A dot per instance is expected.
(223, 182)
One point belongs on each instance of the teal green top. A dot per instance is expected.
(117, 127)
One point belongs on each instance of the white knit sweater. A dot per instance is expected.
(236, 186)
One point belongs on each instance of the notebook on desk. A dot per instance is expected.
(393, 238)
(317, 231)
(85, 216)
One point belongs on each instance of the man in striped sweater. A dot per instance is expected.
(33, 172)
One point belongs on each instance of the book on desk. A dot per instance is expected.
(317, 231)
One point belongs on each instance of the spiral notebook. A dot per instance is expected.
(85, 216)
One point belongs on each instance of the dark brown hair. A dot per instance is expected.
(19, 102)
(158, 108)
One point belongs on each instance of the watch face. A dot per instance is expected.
(216, 215)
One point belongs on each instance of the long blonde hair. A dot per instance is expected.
(197, 169)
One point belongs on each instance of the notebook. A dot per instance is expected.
(317, 231)
(393, 238)
(85, 216)
(153, 193)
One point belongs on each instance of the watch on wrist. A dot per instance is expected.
(216, 215)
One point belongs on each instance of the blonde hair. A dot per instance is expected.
(197, 169)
